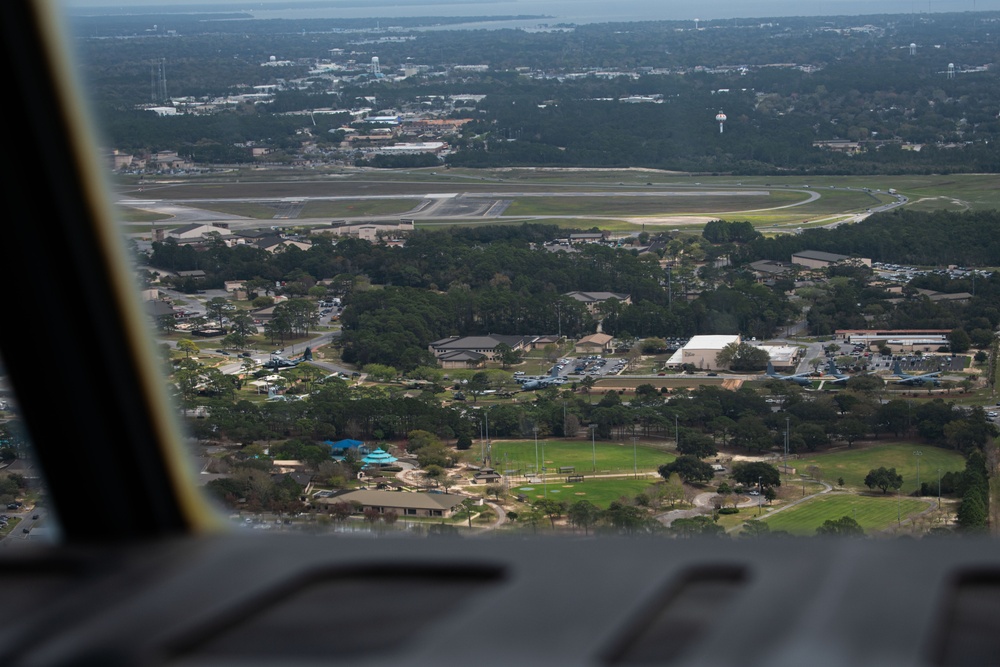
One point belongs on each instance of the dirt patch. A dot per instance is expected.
(738, 458)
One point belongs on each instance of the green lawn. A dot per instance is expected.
(853, 465)
(246, 209)
(601, 492)
(872, 512)
(129, 214)
(359, 207)
(702, 202)
(11, 525)
(614, 457)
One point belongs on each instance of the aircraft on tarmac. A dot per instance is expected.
(907, 379)
(280, 362)
(831, 369)
(542, 383)
(801, 379)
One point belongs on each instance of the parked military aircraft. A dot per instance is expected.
(907, 379)
(542, 383)
(801, 379)
(280, 362)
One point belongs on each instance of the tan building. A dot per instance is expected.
(597, 343)
(594, 299)
(447, 348)
(701, 351)
(401, 503)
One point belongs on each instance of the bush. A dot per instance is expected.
(729, 510)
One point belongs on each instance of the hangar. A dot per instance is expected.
(701, 351)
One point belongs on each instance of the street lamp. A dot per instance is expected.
(635, 459)
(785, 463)
(593, 444)
(918, 454)
(535, 430)
(760, 490)
(545, 482)
(939, 487)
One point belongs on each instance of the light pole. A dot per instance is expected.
(593, 444)
(918, 454)
(939, 487)
(785, 462)
(760, 494)
(677, 437)
(545, 482)
(535, 430)
(635, 459)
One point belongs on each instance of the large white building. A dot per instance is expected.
(701, 351)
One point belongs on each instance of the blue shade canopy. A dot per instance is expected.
(379, 457)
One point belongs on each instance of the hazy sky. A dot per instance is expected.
(566, 10)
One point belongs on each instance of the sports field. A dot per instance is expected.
(874, 513)
(612, 457)
(853, 464)
(601, 492)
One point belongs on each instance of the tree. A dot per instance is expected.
(851, 429)
(341, 511)
(742, 357)
(187, 346)
(435, 473)
(478, 385)
(689, 468)
(845, 526)
(960, 341)
(653, 346)
(507, 355)
(217, 308)
(748, 474)
(550, 508)
(752, 434)
(883, 478)
(755, 529)
(672, 490)
(866, 384)
(625, 517)
(583, 514)
(242, 324)
(696, 444)
(380, 372)
(697, 526)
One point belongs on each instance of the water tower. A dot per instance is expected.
(376, 69)
(720, 118)
(913, 49)
(951, 70)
